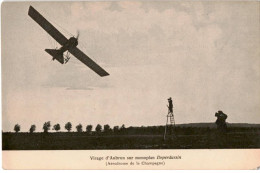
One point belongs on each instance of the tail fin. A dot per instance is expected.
(56, 54)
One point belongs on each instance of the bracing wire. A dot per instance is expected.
(60, 27)
(54, 43)
(63, 29)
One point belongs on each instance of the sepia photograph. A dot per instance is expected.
(130, 77)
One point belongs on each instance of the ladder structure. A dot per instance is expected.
(170, 122)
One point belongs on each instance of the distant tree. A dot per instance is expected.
(68, 126)
(107, 128)
(89, 128)
(116, 129)
(122, 128)
(98, 128)
(79, 128)
(56, 127)
(17, 128)
(32, 129)
(142, 130)
(131, 130)
(46, 126)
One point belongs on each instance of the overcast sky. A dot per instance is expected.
(205, 55)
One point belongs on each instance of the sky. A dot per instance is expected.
(205, 55)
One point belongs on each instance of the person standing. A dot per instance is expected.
(170, 105)
(221, 121)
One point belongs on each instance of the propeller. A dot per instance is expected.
(77, 37)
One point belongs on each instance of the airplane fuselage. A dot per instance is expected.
(71, 43)
(58, 53)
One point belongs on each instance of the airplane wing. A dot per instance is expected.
(88, 62)
(47, 26)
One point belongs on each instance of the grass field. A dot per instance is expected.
(203, 139)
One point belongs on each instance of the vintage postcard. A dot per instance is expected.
(130, 85)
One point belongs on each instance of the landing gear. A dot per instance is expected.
(66, 57)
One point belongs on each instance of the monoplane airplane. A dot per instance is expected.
(69, 45)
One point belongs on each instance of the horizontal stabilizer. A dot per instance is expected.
(56, 54)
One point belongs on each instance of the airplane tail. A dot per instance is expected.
(56, 54)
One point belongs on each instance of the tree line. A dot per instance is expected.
(68, 126)
(149, 130)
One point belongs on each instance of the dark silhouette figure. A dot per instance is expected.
(221, 121)
(170, 104)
